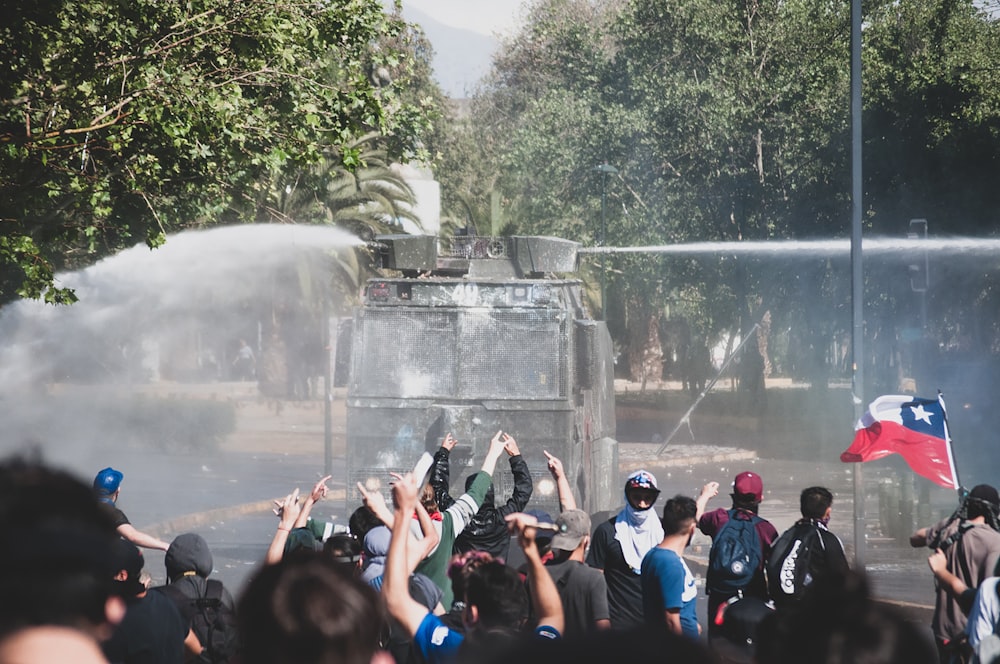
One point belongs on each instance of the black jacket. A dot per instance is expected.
(487, 531)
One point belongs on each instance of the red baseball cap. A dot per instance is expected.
(748, 483)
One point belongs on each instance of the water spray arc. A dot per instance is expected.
(967, 246)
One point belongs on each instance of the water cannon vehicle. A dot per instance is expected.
(472, 336)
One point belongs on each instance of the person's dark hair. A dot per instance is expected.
(678, 513)
(982, 501)
(361, 521)
(745, 501)
(977, 508)
(56, 544)
(303, 610)
(344, 550)
(814, 502)
(839, 623)
(461, 565)
(499, 596)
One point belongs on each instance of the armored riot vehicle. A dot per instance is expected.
(477, 338)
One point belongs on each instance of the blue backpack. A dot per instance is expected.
(735, 555)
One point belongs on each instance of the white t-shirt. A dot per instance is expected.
(985, 612)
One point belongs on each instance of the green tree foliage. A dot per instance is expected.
(122, 122)
(933, 115)
(932, 127)
(730, 121)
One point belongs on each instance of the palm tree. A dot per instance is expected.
(354, 188)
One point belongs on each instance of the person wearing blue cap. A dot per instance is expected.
(107, 487)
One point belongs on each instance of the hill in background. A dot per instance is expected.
(461, 57)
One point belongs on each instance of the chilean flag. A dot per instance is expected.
(914, 428)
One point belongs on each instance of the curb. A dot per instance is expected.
(189, 522)
(632, 456)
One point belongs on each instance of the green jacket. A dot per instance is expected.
(453, 521)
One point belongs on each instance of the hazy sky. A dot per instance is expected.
(483, 16)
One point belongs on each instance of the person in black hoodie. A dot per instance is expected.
(488, 529)
(205, 605)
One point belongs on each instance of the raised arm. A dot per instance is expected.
(420, 549)
(287, 511)
(318, 492)
(395, 582)
(374, 501)
(522, 478)
(544, 595)
(567, 501)
(441, 473)
(497, 447)
(709, 491)
(468, 503)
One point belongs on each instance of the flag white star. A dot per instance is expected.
(920, 414)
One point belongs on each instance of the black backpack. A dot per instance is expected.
(213, 622)
(789, 565)
(735, 555)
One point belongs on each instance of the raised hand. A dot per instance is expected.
(320, 489)
(497, 444)
(710, 490)
(404, 492)
(449, 442)
(524, 526)
(510, 445)
(287, 510)
(373, 500)
(555, 466)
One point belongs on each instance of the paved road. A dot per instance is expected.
(226, 498)
(225, 494)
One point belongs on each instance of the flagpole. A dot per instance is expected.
(857, 282)
(947, 440)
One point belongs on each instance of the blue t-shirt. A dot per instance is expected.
(437, 642)
(667, 583)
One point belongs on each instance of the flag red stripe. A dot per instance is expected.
(926, 455)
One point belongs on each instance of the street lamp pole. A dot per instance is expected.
(857, 281)
(605, 169)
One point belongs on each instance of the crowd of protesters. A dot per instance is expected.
(421, 576)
